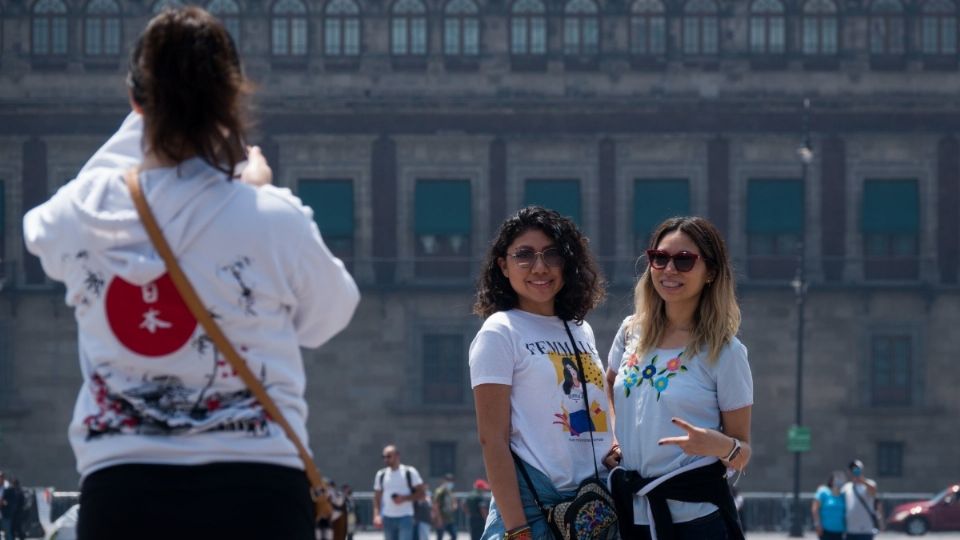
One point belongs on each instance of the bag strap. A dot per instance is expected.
(526, 478)
(317, 486)
(870, 512)
(586, 397)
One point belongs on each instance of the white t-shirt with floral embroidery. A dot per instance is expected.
(550, 429)
(650, 390)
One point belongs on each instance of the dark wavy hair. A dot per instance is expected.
(186, 75)
(583, 285)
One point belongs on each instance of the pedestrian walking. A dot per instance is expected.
(681, 390)
(538, 283)
(396, 488)
(476, 507)
(864, 515)
(445, 507)
(169, 440)
(828, 509)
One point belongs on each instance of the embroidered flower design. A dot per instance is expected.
(661, 385)
(673, 364)
(631, 379)
(649, 372)
(632, 361)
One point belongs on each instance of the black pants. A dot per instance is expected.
(221, 500)
(709, 527)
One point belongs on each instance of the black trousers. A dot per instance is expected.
(221, 500)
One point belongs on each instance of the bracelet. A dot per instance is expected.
(520, 533)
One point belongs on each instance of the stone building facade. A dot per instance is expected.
(414, 127)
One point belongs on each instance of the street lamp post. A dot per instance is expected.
(799, 283)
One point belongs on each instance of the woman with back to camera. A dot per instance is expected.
(682, 391)
(169, 441)
(538, 275)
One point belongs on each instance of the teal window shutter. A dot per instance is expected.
(891, 207)
(560, 195)
(655, 200)
(442, 207)
(775, 206)
(332, 204)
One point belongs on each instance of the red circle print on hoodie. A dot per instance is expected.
(151, 319)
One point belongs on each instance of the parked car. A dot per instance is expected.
(941, 513)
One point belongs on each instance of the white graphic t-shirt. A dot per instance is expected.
(550, 425)
(653, 388)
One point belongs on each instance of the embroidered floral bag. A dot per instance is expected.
(590, 514)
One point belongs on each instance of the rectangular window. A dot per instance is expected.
(443, 372)
(891, 370)
(332, 204)
(655, 200)
(443, 458)
(890, 459)
(560, 195)
(443, 218)
(775, 225)
(3, 229)
(891, 229)
(8, 398)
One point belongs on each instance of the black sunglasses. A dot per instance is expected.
(683, 261)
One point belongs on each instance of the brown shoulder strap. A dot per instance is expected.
(213, 331)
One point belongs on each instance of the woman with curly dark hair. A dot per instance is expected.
(539, 274)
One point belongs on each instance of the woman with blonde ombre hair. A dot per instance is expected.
(680, 386)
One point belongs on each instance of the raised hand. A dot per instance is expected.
(699, 441)
(257, 172)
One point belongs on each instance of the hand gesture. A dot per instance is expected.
(698, 441)
(257, 172)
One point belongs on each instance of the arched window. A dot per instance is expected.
(820, 27)
(408, 28)
(101, 28)
(938, 27)
(886, 27)
(528, 28)
(48, 27)
(767, 27)
(161, 5)
(461, 28)
(228, 11)
(341, 28)
(701, 27)
(288, 27)
(581, 28)
(648, 28)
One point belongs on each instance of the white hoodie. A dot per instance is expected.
(154, 388)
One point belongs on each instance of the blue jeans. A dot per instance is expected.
(398, 528)
(549, 496)
(449, 528)
(6, 524)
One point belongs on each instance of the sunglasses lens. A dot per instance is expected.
(553, 258)
(658, 259)
(684, 262)
(524, 258)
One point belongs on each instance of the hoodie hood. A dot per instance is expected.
(109, 224)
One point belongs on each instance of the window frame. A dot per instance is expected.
(941, 19)
(767, 17)
(701, 18)
(409, 20)
(580, 21)
(646, 18)
(56, 25)
(460, 20)
(820, 19)
(341, 20)
(909, 388)
(532, 21)
(230, 19)
(289, 22)
(101, 19)
(892, 45)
